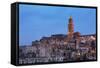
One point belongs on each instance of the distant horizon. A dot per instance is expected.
(37, 21)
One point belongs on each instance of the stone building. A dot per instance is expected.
(60, 48)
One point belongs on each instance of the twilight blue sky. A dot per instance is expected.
(37, 21)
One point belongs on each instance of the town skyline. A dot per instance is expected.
(35, 23)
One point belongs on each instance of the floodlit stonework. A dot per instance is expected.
(60, 48)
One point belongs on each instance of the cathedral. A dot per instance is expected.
(60, 48)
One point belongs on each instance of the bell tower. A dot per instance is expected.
(70, 27)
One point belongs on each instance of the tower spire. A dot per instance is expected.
(70, 17)
(70, 27)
